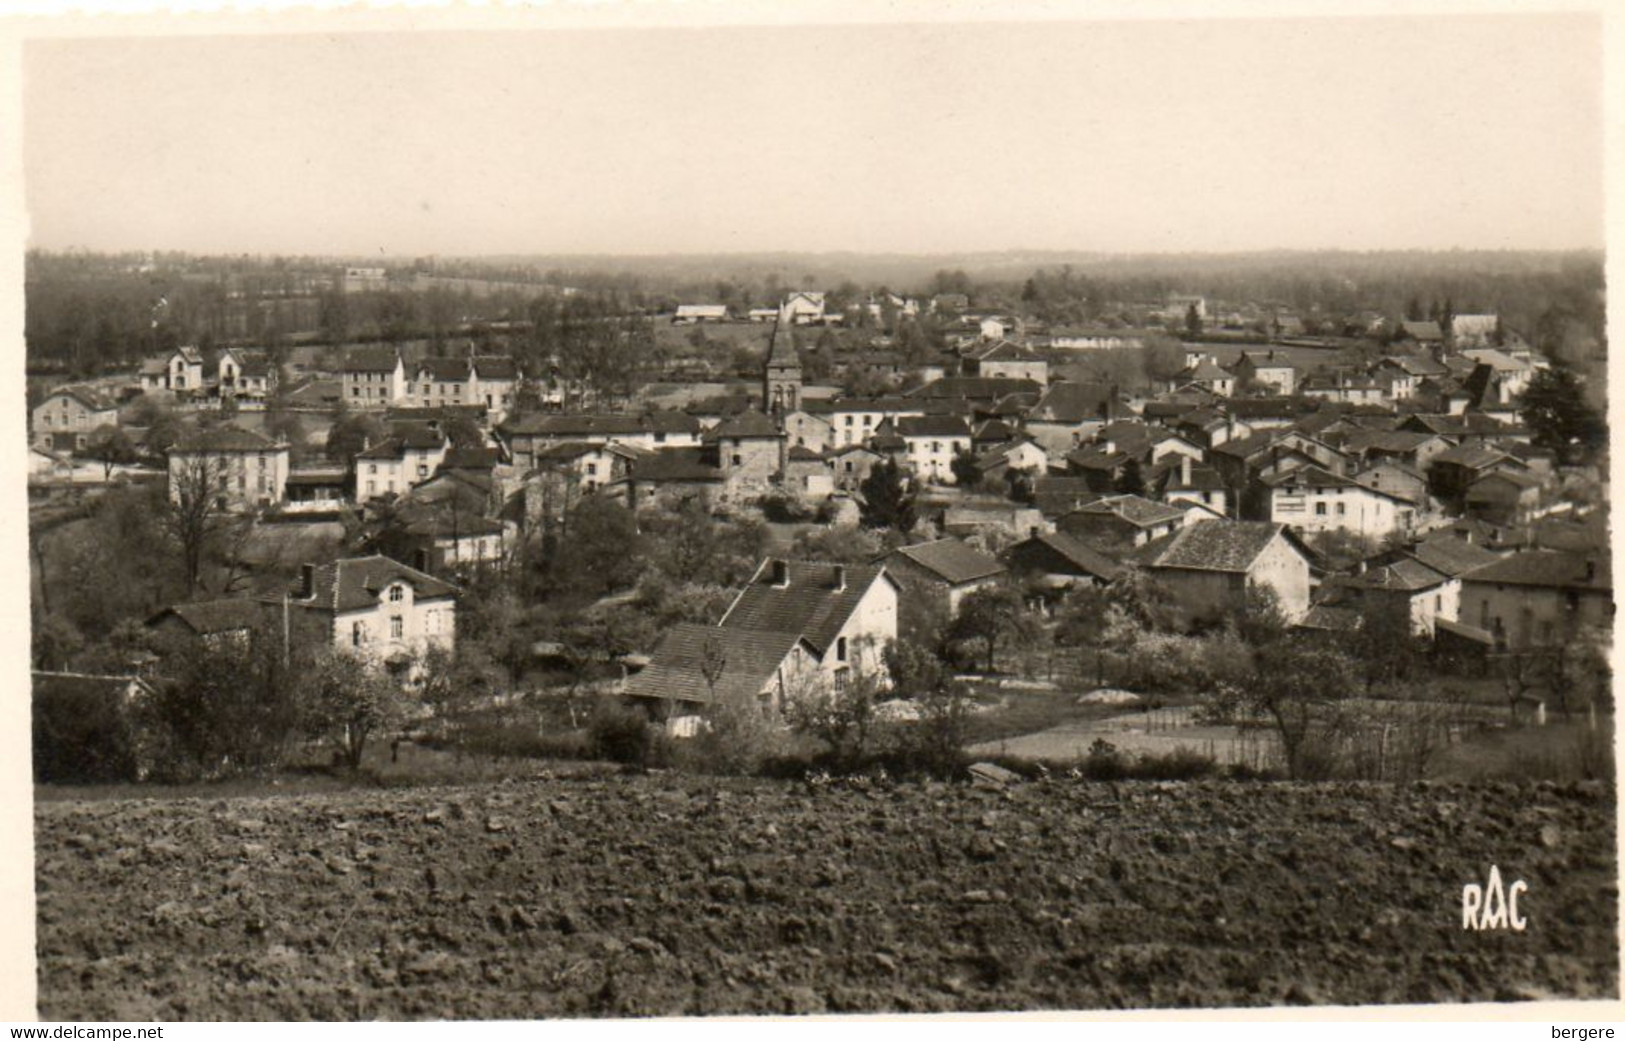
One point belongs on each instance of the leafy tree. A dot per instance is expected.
(1558, 417)
(111, 447)
(226, 707)
(1384, 646)
(1164, 357)
(887, 503)
(992, 615)
(840, 714)
(1300, 687)
(352, 433)
(56, 642)
(1193, 321)
(964, 468)
(600, 549)
(452, 683)
(1085, 622)
(1132, 480)
(348, 699)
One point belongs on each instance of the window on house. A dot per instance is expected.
(395, 594)
(397, 627)
(592, 469)
(1320, 509)
(1438, 603)
(739, 460)
(840, 649)
(358, 634)
(848, 420)
(1341, 509)
(372, 487)
(372, 468)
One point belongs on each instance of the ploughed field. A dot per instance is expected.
(662, 895)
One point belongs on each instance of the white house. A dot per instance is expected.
(246, 470)
(375, 607)
(373, 377)
(398, 462)
(797, 629)
(185, 370)
(1312, 499)
(69, 414)
(931, 443)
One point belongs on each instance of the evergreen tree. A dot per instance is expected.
(887, 503)
(1132, 480)
(1555, 409)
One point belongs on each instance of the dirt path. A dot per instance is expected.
(672, 895)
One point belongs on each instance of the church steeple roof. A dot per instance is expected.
(782, 349)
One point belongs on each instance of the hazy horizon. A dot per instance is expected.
(1130, 139)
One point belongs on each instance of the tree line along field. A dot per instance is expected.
(663, 894)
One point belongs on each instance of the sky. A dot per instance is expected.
(1436, 132)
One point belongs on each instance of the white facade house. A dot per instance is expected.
(241, 469)
(931, 443)
(376, 608)
(396, 464)
(373, 377)
(185, 370)
(1310, 499)
(71, 413)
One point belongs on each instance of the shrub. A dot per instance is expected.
(1182, 764)
(621, 733)
(737, 738)
(1104, 762)
(82, 735)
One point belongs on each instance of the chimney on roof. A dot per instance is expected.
(1110, 446)
(840, 577)
(307, 581)
(780, 573)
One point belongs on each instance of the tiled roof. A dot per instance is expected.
(206, 617)
(225, 438)
(577, 426)
(975, 388)
(371, 359)
(357, 582)
(443, 370)
(1215, 545)
(1407, 574)
(1138, 511)
(495, 367)
(89, 397)
(1451, 555)
(1475, 455)
(1331, 618)
(675, 465)
(932, 426)
(471, 458)
(671, 423)
(809, 605)
(745, 425)
(1551, 568)
(1422, 330)
(1310, 477)
(749, 657)
(1073, 402)
(1079, 553)
(952, 560)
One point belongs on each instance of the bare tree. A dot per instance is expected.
(197, 510)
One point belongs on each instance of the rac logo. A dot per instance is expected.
(1493, 905)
